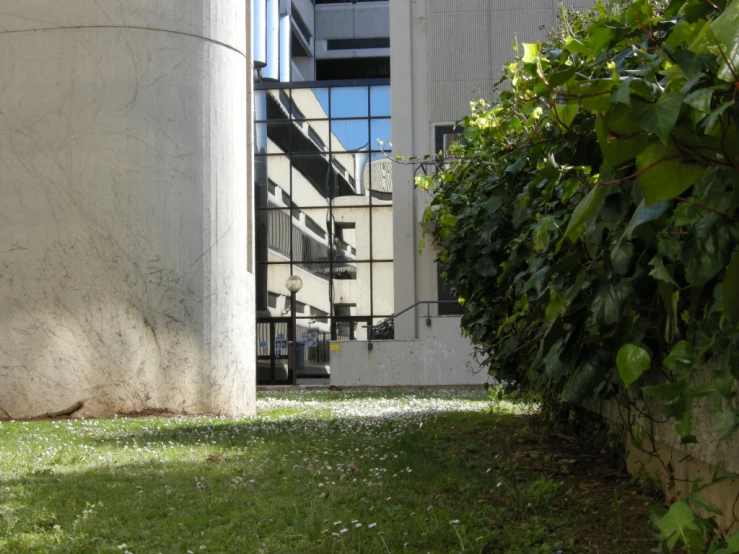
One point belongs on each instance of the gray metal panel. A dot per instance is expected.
(507, 25)
(450, 101)
(458, 46)
(452, 6)
(336, 21)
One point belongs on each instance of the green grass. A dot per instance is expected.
(313, 472)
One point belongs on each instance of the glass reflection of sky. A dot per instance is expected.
(322, 96)
(345, 103)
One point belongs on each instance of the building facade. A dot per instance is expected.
(332, 205)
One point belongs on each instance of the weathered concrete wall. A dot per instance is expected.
(440, 357)
(123, 207)
(688, 461)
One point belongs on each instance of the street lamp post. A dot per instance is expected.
(293, 284)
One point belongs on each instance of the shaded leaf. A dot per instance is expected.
(584, 211)
(666, 391)
(692, 64)
(644, 214)
(608, 302)
(588, 374)
(680, 358)
(632, 361)
(660, 118)
(700, 99)
(660, 272)
(706, 251)
(731, 289)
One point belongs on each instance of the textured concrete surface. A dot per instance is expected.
(123, 207)
(688, 461)
(441, 356)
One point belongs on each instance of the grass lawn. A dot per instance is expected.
(394, 471)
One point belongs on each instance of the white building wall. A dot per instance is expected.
(123, 212)
(445, 53)
(439, 357)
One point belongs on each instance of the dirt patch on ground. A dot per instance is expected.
(586, 492)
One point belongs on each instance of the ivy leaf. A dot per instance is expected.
(537, 280)
(618, 150)
(728, 423)
(621, 257)
(673, 8)
(705, 504)
(565, 114)
(623, 92)
(554, 308)
(553, 366)
(584, 211)
(588, 374)
(575, 46)
(706, 251)
(448, 220)
(714, 117)
(731, 289)
(692, 64)
(700, 99)
(678, 524)
(680, 359)
(660, 118)
(608, 302)
(732, 545)
(663, 175)
(531, 51)
(666, 391)
(644, 214)
(660, 272)
(724, 29)
(632, 361)
(561, 77)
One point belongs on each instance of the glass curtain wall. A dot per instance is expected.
(323, 189)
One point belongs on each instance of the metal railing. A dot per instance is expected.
(373, 330)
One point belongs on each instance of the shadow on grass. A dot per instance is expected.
(241, 493)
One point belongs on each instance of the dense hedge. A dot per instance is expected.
(589, 222)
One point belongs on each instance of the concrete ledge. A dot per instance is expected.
(441, 357)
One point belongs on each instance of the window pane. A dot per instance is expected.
(268, 101)
(311, 177)
(278, 233)
(349, 102)
(349, 135)
(380, 100)
(272, 181)
(311, 236)
(352, 288)
(310, 136)
(382, 293)
(350, 234)
(310, 103)
(380, 134)
(348, 174)
(382, 233)
(380, 181)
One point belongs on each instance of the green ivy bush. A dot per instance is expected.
(588, 219)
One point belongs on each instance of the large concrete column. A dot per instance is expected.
(123, 207)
